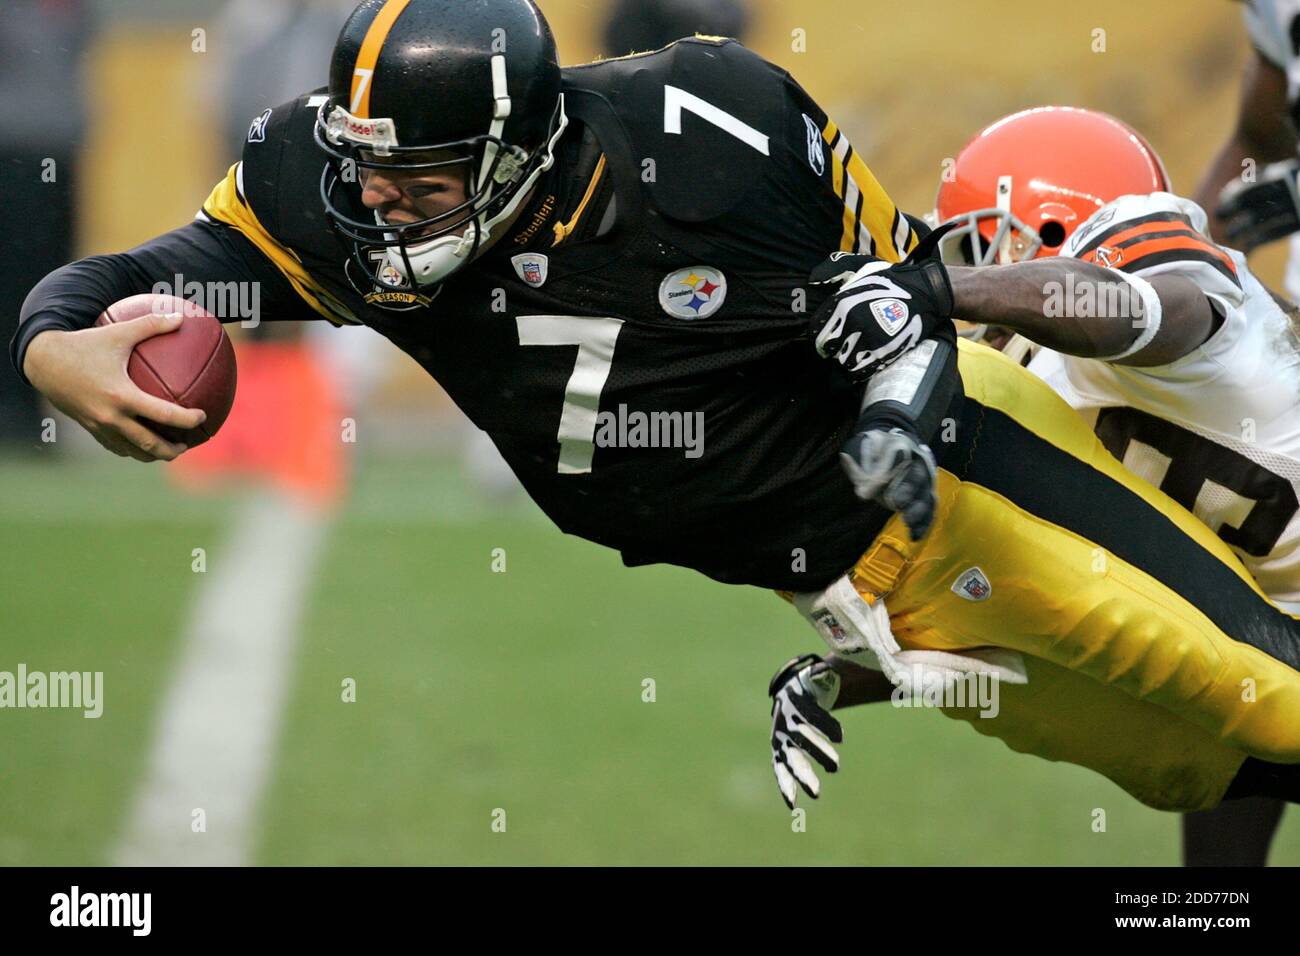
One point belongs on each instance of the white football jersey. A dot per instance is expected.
(1219, 429)
(1271, 25)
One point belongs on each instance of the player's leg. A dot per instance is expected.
(1156, 756)
(1090, 569)
(1235, 833)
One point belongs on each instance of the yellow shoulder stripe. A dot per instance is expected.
(225, 205)
(872, 223)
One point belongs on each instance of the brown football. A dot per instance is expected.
(193, 366)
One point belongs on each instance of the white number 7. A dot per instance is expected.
(675, 100)
(361, 79)
(595, 339)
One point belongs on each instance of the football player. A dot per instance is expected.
(638, 235)
(1250, 189)
(1181, 361)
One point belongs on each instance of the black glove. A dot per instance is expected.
(1263, 211)
(881, 309)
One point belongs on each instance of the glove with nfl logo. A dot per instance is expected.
(1255, 213)
(881, 309)
(803, 692)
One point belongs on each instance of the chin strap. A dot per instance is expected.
(479, 232)
(468, 240)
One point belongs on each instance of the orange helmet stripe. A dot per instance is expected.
(364, 71)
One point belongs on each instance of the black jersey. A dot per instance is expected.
(637, 346)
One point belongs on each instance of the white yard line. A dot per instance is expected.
(219, 725)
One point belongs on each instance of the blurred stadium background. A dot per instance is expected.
(478, 691)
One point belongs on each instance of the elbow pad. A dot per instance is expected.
(916, 391)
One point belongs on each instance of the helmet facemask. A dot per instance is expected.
(423, 253)
(1013, 240)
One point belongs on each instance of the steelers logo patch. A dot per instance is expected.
(693, 293)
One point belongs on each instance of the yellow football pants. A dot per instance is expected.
(1152, 656)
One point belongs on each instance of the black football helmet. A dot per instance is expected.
(436, 84)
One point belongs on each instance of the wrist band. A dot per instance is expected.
(1151, 314)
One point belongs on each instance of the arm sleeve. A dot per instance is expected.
(916, 392)
(1161, 234)
(210, 254)
(753, 160)
(863, 217)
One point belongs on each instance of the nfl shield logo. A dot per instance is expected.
(972, 585)
(829, 626)
(531, 267)
(890, 314)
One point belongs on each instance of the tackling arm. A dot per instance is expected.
(1163, 319)
(858, 685)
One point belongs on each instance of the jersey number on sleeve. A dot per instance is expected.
(1242, 502)
(595, 339)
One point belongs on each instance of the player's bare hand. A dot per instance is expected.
(84, 375)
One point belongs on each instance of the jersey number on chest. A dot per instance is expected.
(1242, 502)
(595, 339)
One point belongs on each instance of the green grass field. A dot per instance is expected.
(479, 690)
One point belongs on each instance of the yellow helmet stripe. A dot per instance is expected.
(364, 71)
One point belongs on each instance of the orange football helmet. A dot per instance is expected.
(1025, 183)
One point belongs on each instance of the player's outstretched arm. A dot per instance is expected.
(1133, 321)
(83, 374)
(82, 369)
(859, 685)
